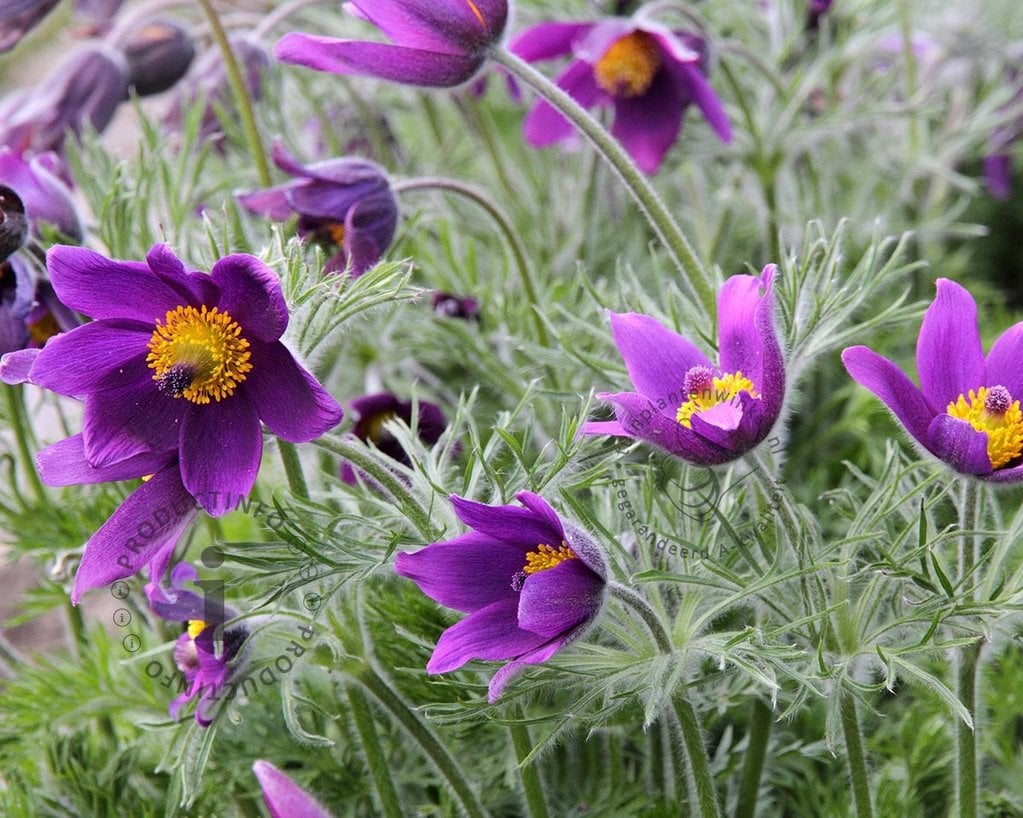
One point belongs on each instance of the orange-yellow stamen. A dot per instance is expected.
(547, 557)
(628, 67)
(42, 330)
(992, 410)
(198, 354)
(476, 10)
(725, 388)
(336, 232)
(195, 627)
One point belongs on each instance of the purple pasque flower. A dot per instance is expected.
(447, 305)
(683, 403)
(159, 53)
(13, 222)
(647, 73)
(283, 797)
(18, 17)
(346, 204)
(966, 411)
(530, 582)
(374, 411)
(436, 43)
(46, 197)
(183, 362)
(17, 290)
(815, 9)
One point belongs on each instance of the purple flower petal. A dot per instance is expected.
(601, 37)
(64, 464)
(547, 40)
(739, 339)
(603, 427)
(532, 657)
(694, 86)
(75, 363)
(412, 24)
(554, 601)
(16, 366)
(648, 125)
(949, 357)
(998, 175)
(1004, 364)
(251, 294)
(466, 573)
(155, 514)
(1013, 475)
(491, 633)
(960, 445)
(895, 390)
(283, 797)
(520, 527)
(656, 358)
(272, 202)
(544, 125)
(221, 445)
(542, 509)
(287, 398)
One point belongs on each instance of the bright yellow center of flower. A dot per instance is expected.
(546, 557)
(992, 410)
(706, 391)
(195, 627)
(199, 355)
(628, 67)
(335, 232)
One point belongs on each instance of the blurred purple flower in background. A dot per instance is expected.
(18, 17)
(159, 53)
(446, 305)
(46, 197)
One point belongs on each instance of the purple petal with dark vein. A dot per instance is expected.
(466, 573)
(102, 288)
(544, 125)
(960, 445)
(554, 601)
(1004, 364)
(532, 657)
(64, 464)
(949, 357)
(513, 525)
(251, 293)
(221, 446)
(547, 40)
(283, 797)
(648, 125)
(289, 400)
(491, 633)
(16, 366)
(656, 358)
(405, 65)
(80, 361)
(694, 87)
(156, 513)
(542, 509)
(896, 391)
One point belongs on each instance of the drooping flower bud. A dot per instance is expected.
(18, 17)
(159, 53)
(13, 224)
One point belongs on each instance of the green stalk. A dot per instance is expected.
(293, 469)
(856, 757)
(427, 741)
(19, 421)
(761, 720)
(638, 185)
(699, 764)
(500, 218)
(241, 94)
(646, 613)
(968, 659)
(532, 786)
(362, 715)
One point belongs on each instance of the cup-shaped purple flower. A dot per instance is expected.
(181, 361)
(346, 204)
(46, 198)
(966, 411)
(645, 72)
(283, 797)
(683, 403)
(530, 582)
(436, 43)
(18, 17)
(374, 411)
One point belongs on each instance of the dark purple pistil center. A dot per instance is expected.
(699, 380)
(176, 380)
(998, 400)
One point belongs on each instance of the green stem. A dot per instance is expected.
(761, 721)
(638, 185)
(500, 218)
(19, 421)
(293, 469)
(426, 739)
(536, 804)
(699, 764)
(968, 658)
(10, 658)
(646, 613)
(241, 94)
(362, 715)
(855, 755)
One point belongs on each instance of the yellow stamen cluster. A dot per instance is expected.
(336, 232)
(198, 354)
(628, 67)
(195, 627)
(476, 11)
(725, 388)
(1004, 428)
(546, 557)
(44, 329)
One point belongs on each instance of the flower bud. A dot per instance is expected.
(18, 17)
(159, 53)
(13, 224)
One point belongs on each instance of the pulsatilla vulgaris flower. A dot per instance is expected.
(347, 204)
(529, 581)
(646, 72)
(180, 361)
(437, 43)
(283, 797)
(47, 199)
(18, 17)
(967, 409)
(13, 222)
(702, 413)
(159, 53)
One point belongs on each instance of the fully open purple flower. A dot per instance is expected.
(529, 581)
(967, 409)
(437, 43)
(284, 798)
(646, 72)
(703, 413)
(346, 204)
(183, 362)
(375, 410)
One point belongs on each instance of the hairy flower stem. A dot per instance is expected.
(646, 613)
(426, 739)
(503, 223)
(968, 658)
(856, 756)
(638, 185)
(532, 786)
(19, 424)
(362, 716)
(293, 469)
(241, 95)
(760, 720)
